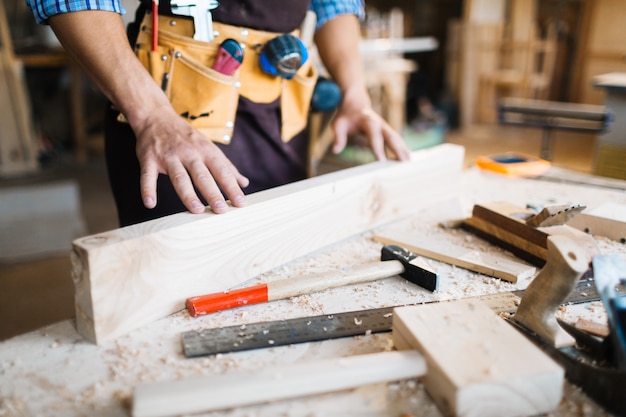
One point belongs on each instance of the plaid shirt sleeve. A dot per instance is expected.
(43, 9)
(328, 9)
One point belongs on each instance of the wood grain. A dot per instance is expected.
(566, 263)
(238, 389)
(484, 263)
(478, 365)
(132, 276)
(504, 224)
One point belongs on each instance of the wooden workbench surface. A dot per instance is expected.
(54, 372)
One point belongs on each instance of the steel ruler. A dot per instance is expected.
(332, 326)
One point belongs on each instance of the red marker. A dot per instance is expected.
(155, 24)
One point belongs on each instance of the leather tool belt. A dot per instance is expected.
(207, 98)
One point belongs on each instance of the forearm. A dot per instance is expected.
(109, 61)
(338, 45)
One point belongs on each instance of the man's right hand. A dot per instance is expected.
(169, 145)
(166, 143)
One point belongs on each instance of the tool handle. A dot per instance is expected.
(287, 288)
(566, 263)
(210, 303)
(292, 287)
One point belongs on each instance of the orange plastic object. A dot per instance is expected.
(210, 303)
(513, 164)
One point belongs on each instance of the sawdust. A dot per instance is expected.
(56, 373)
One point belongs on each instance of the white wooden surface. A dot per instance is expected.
(55, 372)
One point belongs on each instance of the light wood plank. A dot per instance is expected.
(484, 263)
(237, 389)
(608, 220)
(478, 365)
(132, 276)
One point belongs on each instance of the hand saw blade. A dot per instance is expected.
(332, 326)
(555, 215)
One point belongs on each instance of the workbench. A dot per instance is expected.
(55, 372)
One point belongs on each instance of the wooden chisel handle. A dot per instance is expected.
(292, 287)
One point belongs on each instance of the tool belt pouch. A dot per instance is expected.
(207, 98)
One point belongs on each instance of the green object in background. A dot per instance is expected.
(415, 139)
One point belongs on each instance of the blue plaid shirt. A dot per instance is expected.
(43, 9)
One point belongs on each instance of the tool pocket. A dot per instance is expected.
(205, 97)
(181, 66)
(296, 100)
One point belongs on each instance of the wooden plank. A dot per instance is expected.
(132, 276)
(608, 220)
(493, 266)
(504, 224)
(271, 384)
(507, 374)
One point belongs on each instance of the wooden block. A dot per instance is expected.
(505, 224)
(237, 389)
(493, 266)
(593, 327)
(132, 276)
(478, 365)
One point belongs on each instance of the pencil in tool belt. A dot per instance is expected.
(155, 24)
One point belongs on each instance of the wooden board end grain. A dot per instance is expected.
(129, 277)
(478, 364)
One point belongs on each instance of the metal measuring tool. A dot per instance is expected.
(200, 10)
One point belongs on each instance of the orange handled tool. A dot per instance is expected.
(395, 261)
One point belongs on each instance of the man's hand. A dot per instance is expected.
(166, 143)
(338, 45)
(172, 147)
(380, 135)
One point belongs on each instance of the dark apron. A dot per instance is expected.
(256, 148)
